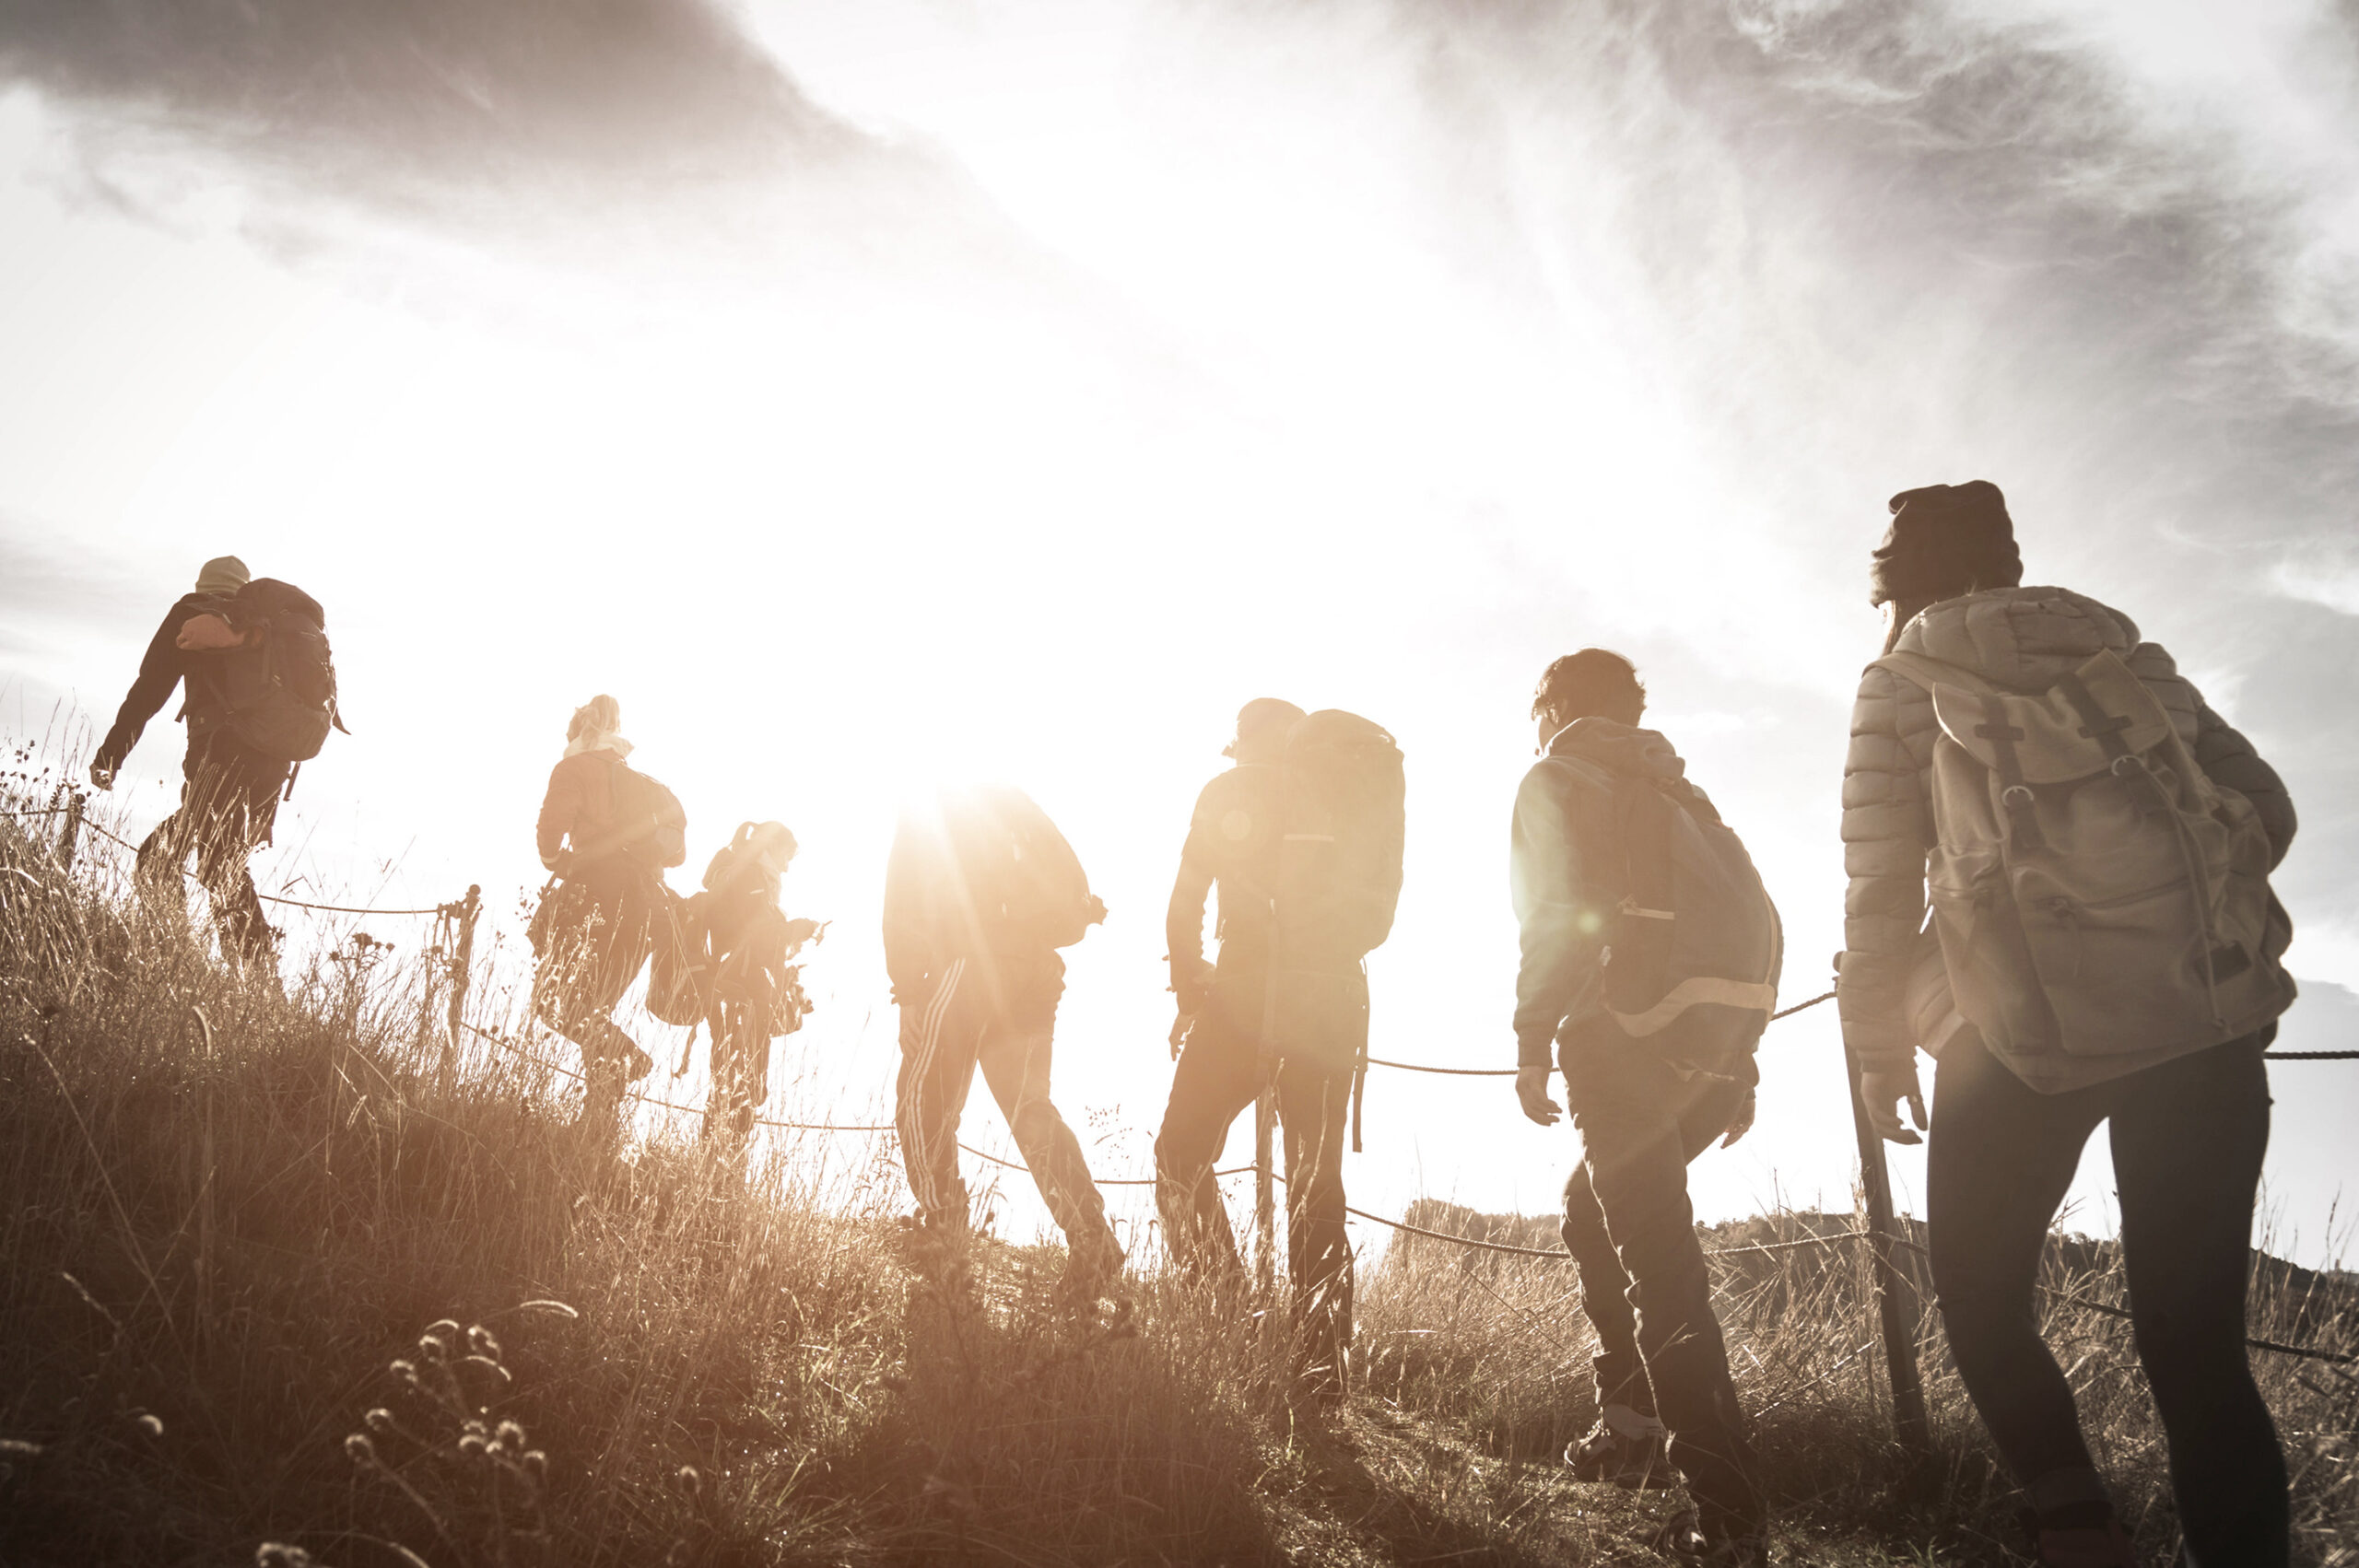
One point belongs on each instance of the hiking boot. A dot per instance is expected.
(1625, 1451)
(2101, 1545)
(1093, 1263)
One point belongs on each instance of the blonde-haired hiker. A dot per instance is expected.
(608, 832)
(756, 993)
(2099, 844)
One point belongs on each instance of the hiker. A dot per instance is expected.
(981, 892)
(1650, 962)
(608, 833)
(2051, 764)
(755, 994)
(251, 656)
(1297, 1026)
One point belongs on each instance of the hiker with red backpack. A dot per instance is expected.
(1303, 840)
(251, 656)
(608, 833)
(981, 893)
(2104, 948)
(1651, 955)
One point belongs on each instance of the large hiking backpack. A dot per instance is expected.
(1695, 948)
(279, 688)
(681, 969)
(1341, 819)
(650, 825)
(2096, 894)
(1343, 816)
(1026, 883)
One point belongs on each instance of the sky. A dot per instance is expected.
(873, 395)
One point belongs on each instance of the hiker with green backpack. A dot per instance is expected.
(1651, 955)
(1303, 839)
(251, 657)
(2096, 844)
(607, 833)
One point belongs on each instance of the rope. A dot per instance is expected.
(2312, 1055)
(42, 811)
(271, 897)
(1511, 1071)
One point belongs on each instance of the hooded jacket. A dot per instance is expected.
(2023, 639)
(1564, 871)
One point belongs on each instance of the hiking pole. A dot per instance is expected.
(1908, 1419)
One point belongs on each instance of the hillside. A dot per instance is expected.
(266, 1278)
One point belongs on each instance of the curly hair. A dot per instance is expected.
(1595, 683)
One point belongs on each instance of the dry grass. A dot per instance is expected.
(276, 1274)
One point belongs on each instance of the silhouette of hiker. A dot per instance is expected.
(980, 894)
(608, 832)
(259, 696)
(2035, 1047)
(1232, 845)
(1651, 960)
(755, 994)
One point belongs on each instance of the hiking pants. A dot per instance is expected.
(228, 807)
(1220, 1074)
(1632, 1232)
(998, 1012)
(600, 932)
(2188, 1139)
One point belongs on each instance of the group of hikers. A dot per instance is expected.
(2058, 858)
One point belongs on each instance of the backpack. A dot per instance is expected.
(280, 689)
(1027, 886)
(650, 826)
(1341, 819)
(680, 971)
(2095, 893)
(1696, 947)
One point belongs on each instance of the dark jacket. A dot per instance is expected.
(2023, 639)
(945, 886)
(1564, 872)
(578, 814)
(167, 665)
(1232, 844)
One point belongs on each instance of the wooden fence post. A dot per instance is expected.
(1910, 1423)
(1265, 1207)
(461, 959)
(70, 835)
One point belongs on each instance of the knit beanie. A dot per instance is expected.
(1945, 539)
(223, 574)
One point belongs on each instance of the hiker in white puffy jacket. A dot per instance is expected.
(2188, 1119)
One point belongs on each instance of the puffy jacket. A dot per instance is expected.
(2023, 639)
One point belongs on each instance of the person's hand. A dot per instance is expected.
(207, 634)
(1180, 1025)
(102, 774)
(1741, 1123)
(1881, 1094)
(1532, 1088)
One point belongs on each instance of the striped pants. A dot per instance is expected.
(998, 1014)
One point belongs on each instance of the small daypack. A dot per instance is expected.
(650, 826)
(1029, 886)
(681, 969)
(2095, 893)
(1696, 947)
(280, 689)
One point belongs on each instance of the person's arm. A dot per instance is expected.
(2230, 760)
(1563, 930)
(1886, 835)
(560, 809)
(1183, 920)
(160, 672)
(909, 930)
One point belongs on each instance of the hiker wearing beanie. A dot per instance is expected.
(607, 831)
(2103, 948)
(213, 644)
(1233, 845)
(1650, 962)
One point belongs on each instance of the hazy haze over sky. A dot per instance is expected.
(868, 393)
